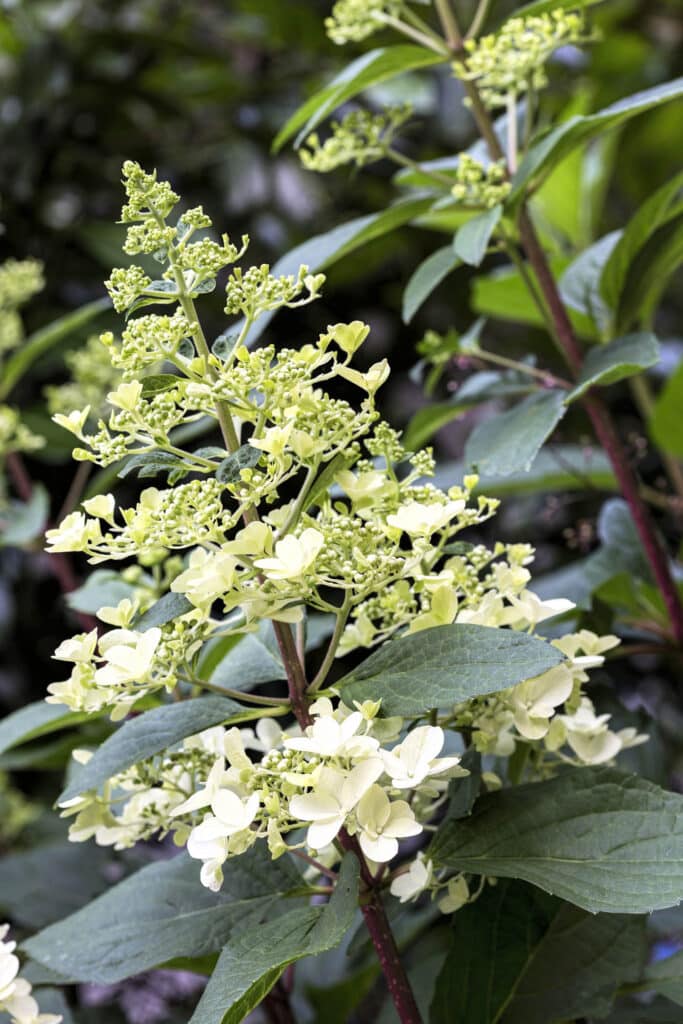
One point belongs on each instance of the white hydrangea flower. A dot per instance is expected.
(331, 738)
(457, 895)
(410, 762)
(411, 883)
(15, 992)
(209, 575)
(129, 656)
(534, 701)
(333, 798)
(381, 823)
(293, 556)
(418, 519)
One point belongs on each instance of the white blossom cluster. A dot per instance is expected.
(15, 992)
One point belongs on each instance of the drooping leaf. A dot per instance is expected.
(167, 608)
(34, 720)
(472, 239)
(653, 212)
(428, 276)
(510, 441)
(600, 839)
(24, 521)
(442, 666)
(580, 283)
(666, 422)
(546, 153)
(252, 962)
(43, 340)
(49, 881)
(367, 70)
(159, 914)
(624, 357)
(149, 734)
(666, 977)
(506, 951)
(246, 457)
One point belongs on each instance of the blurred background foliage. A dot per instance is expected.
(199, 90)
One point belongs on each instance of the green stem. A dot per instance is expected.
(449, 23)
(413, 165)
(429, 41)
(331, 651)
(480, 16)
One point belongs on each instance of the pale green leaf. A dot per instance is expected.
(607, 364)
(600, 839)
(148, 734)
(510, 441)
(428, 276)
(252, 962)
(472, 239)
(439, 667)
(160, 913)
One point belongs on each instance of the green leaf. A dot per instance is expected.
(149, 734)
(159, 914)
(472, 239)
(167, 608)
(666, 977)
(666, 423)
(428, 276)
(103, 587)
(649, 274)
(44, 884)
(26, 520)
(157, 383)
(438, 667)
(426, 422)
(37, 719)
(511, 440)
(607, 364)
(41, 341)
(580, 283)
(252, 962)
(542, 6)
(367, 70)
(548, 152)
(557, 467)
(653, 212)
(321, 251)
(503, 965)
(599, 839)
(148, 464)
(246, 457)
(255, 659)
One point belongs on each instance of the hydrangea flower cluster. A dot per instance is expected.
(92, 376)
(513, 60)
(311, 504)
(359, 138)
(479, 185)
(354, 20)
(19, 281)
(15, 992)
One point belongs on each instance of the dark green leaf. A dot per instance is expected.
(607, 364)
(153, 463)
(472, 239)
(428, 276)
(35, 720)
(442, 666)
(245, 457)
(157, 383)
(167, 608)
(367, 70)
(44, 884)
(546, 153)
(162, 912)
(507, 946)
(462, 793)
(510, 441)
(666, 977)
(599, 839)
(25, 520)
(43, 340)
(149, 734)
(255, 659)
(252, 962)
(666, 423)
(649, 274)
(653, 212)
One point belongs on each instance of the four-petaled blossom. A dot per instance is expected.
(293, 556)
(129, 656)
(333, 799)
(424, 520)
(409, 884)
(411, 761)
(209, 841)
(330, 738)
(381, 823)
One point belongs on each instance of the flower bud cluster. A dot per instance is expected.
(513, 60)
(359, 138)
(92, 377)
(479, 185)
(15, 436)
(15, 992)
(19, 281)
(354, 20)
